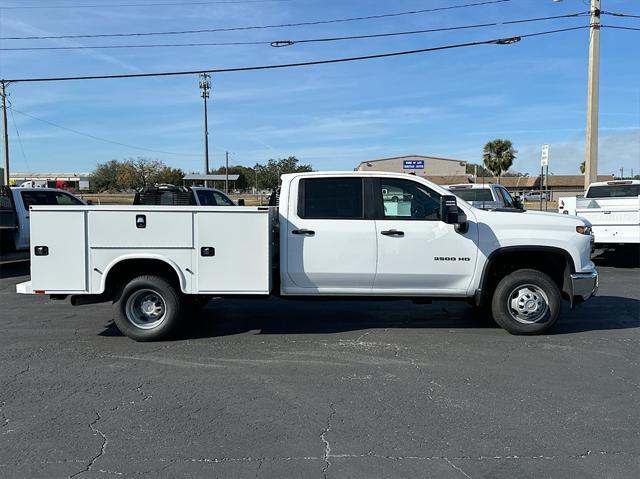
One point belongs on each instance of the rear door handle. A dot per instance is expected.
(394, 233)
(303, 232)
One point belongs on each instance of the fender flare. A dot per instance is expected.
(131, 256)
(495, 254)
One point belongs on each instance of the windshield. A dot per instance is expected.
(477, 194)
(613, 191)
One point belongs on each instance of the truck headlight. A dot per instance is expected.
(583, 230)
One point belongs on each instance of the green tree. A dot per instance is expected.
(105, 176)
(269, 174)
(168, 175)
(246, 175)
(583, 166)
(472, 168)
(498, 156)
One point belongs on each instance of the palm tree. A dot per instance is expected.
(498, 156)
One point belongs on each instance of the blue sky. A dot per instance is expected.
(445, 103)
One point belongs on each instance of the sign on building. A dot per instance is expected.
(413, 164)
(544, 157)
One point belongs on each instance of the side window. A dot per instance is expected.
(30, 198)
(64, 199)
(408, 200)
(330, 198)
(221, 199)
(206, 198)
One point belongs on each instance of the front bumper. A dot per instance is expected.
(583, 286)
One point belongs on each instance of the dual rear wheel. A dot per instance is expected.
(149, 308)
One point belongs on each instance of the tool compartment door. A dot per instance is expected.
(233, 251)
(63, 265)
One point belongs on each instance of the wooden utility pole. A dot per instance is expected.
(591, 161)
(5, 134)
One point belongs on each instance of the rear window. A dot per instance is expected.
(476, 194)
(331, 198)
(613, 191)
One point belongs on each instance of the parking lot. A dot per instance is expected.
(274, 388)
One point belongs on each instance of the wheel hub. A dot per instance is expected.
(145, 309)
(528, 304)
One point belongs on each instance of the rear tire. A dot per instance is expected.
(526, 301)
(148, 308)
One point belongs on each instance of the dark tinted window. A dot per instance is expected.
(331, 198)
(406, 199)
(30, 198)
(613, 191)
(471, 194)
(206, 198)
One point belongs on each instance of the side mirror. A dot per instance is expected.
(450, 214)
(241, 202)
(449, 209)
(517, 204)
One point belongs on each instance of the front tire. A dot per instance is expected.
(526, 301)
(148, 308)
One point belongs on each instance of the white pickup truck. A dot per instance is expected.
(612, 207)
(333, 234)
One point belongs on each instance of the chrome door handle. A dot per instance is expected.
(303, 232)
(393, 233)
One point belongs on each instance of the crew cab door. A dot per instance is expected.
(330, 243)
(417, 252)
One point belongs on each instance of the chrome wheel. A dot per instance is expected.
(528, 304)
(146, 309)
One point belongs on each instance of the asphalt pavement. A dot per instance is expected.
(335, 389)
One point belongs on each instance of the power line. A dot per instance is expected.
(168, 4)
(15, 126)
(495, 41)
(617, 14)
(619, 27)
(283, 43)
(260, 27)
(106, 140)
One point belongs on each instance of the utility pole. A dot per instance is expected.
(205, 86)
(5, 133)
(591, 161)
(226, 173)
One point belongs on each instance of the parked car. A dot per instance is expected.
(487, 196)
(612, 207)
(171, 195)
(535, 196)
(14, 212)
(333, 234)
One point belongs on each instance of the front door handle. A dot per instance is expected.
(394, 233)
(303, 232)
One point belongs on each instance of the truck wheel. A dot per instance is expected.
(526, 301)
(147, 308)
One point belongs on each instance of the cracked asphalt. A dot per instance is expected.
(334, 389)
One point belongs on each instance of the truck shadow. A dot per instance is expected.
(277, 316)
(625, 258)
(14, 269)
